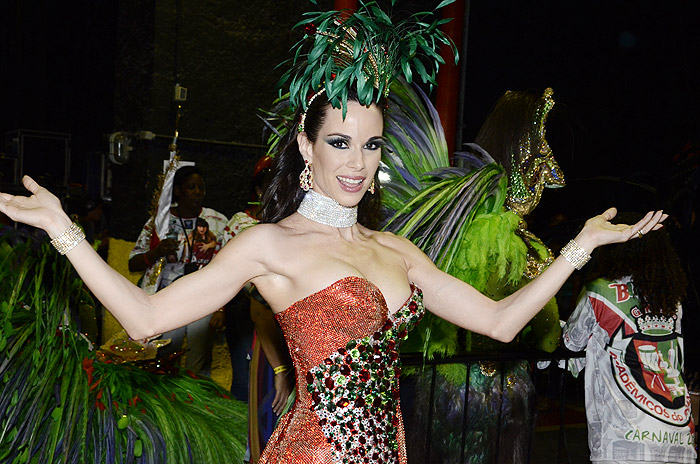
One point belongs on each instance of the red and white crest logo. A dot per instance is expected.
(647, 370)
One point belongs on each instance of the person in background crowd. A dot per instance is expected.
(628, 319)
(184, 254)
(260, 363)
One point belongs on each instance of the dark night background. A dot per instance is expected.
(624, 73)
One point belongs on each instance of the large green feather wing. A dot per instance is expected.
(454, 214)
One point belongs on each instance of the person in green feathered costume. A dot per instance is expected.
(514, 135)
(469, 219)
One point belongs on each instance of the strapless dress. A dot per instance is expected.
(345, 349)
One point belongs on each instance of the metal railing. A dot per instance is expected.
(500, 366)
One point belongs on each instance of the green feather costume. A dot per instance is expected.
(59, 404)
(459, 218)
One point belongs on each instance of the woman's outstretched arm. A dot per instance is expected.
(459, 303)
(142, 315)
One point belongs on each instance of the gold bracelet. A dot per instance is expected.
(280, 369)
(68, 239)
(574, 254)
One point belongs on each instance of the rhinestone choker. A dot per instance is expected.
(327, 211)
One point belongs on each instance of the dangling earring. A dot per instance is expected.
(306, 178)
(371, 187)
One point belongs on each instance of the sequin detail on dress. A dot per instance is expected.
(345, 349)
(355, 392)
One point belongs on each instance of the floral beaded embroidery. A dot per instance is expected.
(355, 392)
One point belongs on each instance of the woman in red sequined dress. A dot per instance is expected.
(344, 294)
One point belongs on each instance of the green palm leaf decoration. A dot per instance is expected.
(277, 121)
(59, 404)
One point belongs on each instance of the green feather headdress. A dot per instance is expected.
(365, 50)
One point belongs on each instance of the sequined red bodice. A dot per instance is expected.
(344, 344)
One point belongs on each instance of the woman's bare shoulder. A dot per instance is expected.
(260, 235)
(412, 255)
(391, 240)
(259, 247)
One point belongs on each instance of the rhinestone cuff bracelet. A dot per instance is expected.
(68, 239)
(574, 254)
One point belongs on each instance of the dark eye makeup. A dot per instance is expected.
(375, 143)
(337, 142)
(340, 142)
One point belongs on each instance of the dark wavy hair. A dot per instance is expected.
(653, 265)
(504, 129)
(283, 194)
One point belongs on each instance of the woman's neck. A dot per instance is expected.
(185, 211)
(325, 210)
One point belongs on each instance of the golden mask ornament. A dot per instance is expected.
(533, 167)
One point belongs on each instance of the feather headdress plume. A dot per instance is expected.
(365, 51)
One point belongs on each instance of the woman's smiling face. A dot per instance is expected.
(346, 153)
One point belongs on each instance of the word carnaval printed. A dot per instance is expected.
(673, 438)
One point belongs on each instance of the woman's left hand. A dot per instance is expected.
(283, 388)
(217, 321)
(598, 230)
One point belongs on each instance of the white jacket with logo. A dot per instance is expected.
(637, 404)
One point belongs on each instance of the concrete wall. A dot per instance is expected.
(225, 54)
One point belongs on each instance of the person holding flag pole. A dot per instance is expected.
(165, 251)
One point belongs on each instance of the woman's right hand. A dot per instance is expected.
(42, 209)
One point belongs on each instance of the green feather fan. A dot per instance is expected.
(456, 215)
